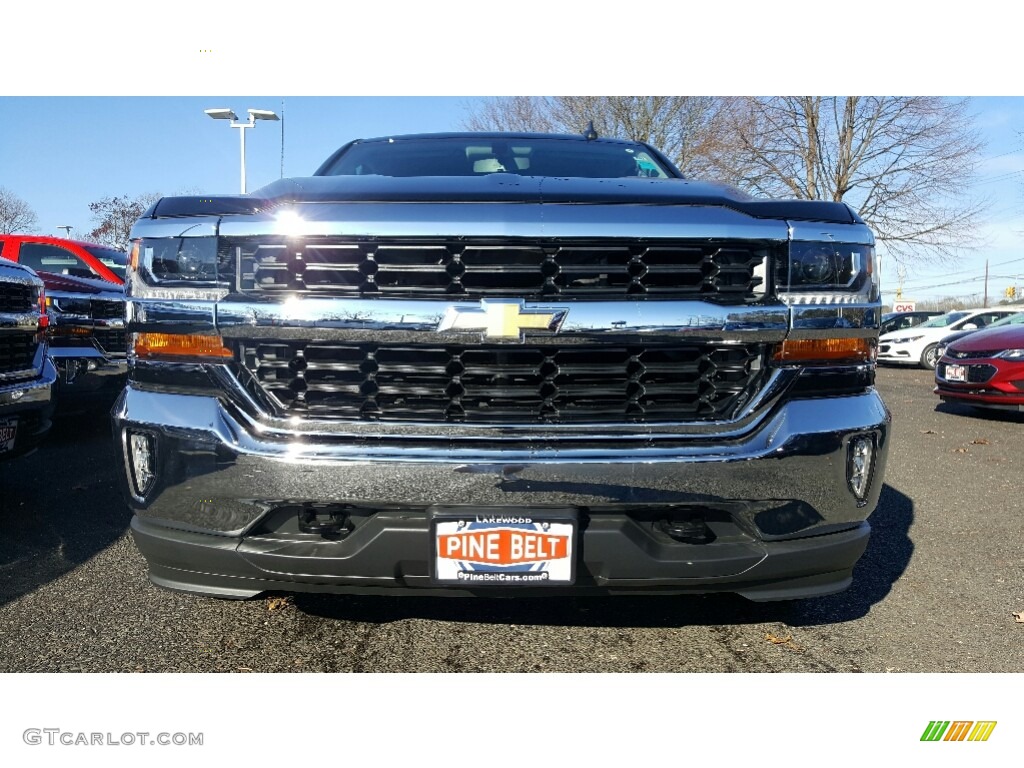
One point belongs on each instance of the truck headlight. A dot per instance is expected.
(170, 259)
(828, 273)
(178, 268)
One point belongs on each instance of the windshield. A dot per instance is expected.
(943, 320)
(115, 261)
(1017, 319)
(481, 156)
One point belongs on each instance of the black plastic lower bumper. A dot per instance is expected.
(390, 553)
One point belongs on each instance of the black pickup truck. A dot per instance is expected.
(501, 364)
(27, 374)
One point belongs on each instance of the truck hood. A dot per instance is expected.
(502, 188)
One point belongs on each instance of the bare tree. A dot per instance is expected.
(15, 214)
(686, 128)
(115, 216)
(904, 163)
(514, 113)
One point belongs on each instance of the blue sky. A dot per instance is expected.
(61, 153)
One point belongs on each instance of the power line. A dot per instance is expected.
(1004, 177)
(1011, 152)
(964, 271)
(957, 282)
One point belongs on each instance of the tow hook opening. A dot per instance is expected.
(692, 529)
(329, 523)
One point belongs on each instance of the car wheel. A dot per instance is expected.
(930, 356)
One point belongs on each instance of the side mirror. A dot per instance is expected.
(969, 327)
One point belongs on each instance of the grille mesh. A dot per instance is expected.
(16, 298)
(17, 351)
(107, 310)
(113, 340)
(979, 374)
(976, 374)
(506, 383)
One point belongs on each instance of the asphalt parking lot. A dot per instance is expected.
(935, 592)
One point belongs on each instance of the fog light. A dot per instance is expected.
(858, 466)
(141, 463)
(691, 530)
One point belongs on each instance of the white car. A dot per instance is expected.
(919, 345)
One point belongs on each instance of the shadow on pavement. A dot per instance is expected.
(982, 414)
(887, 556)
(60, 505)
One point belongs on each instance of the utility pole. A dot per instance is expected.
(985, 302)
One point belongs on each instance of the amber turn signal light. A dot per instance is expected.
(824, 351)
(179, 345)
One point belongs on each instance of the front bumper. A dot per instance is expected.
(31, 402)
(907, 354)
(219, 518)
(993, 383)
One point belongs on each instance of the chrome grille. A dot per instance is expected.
(113, 340)
(17, 351)
(505, 384)
(16, 298)
(107, 310)
(526, 269)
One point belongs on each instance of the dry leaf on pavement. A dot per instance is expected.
(275, 603)
(1018, 617)
(979, 441)
(785, 642)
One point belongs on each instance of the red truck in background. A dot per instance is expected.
(85, 308)
(65, 257)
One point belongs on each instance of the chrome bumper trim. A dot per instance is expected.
(217, 476)
(23, 395)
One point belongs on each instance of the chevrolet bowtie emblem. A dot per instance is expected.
(502, 319)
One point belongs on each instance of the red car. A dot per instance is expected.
(984, 369)
(65, 257)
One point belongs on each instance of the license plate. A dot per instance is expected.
(8, 431)
(486, 548)
(956, 372)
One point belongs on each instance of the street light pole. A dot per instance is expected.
(241, 132)
(254, 115)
